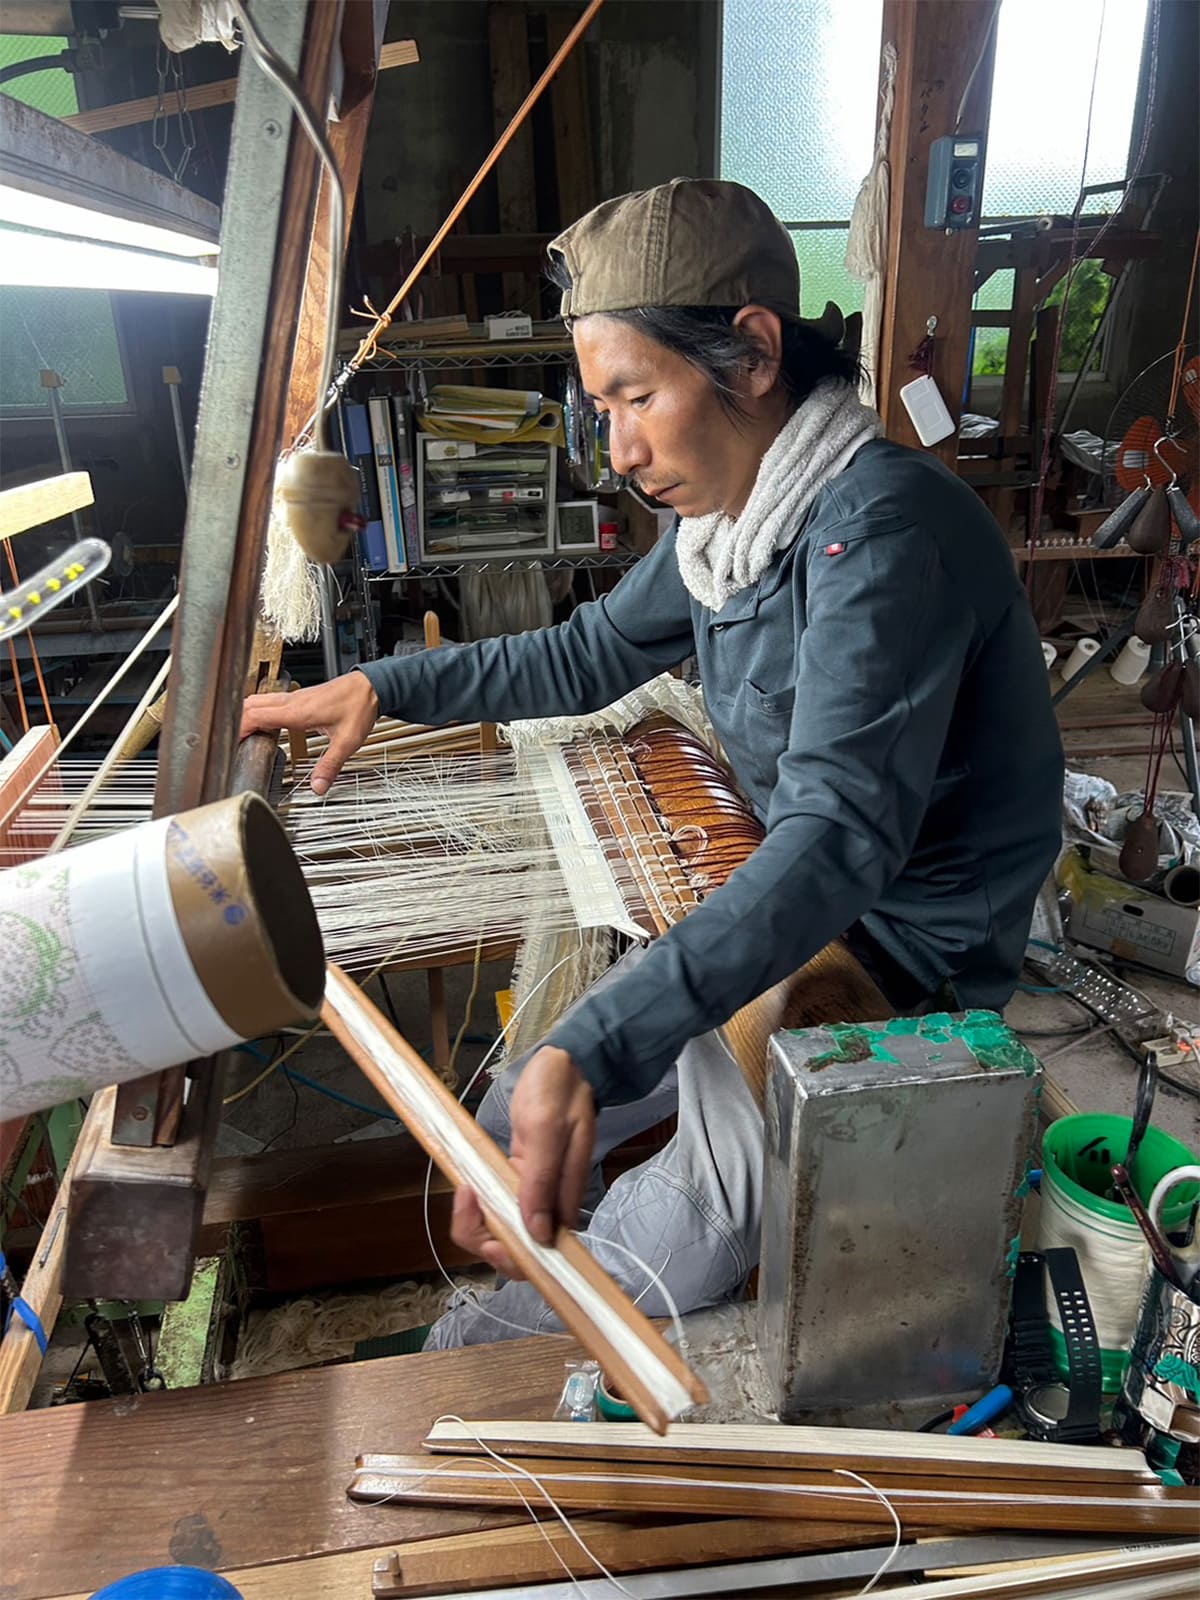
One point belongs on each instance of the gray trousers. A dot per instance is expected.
(687, 1221)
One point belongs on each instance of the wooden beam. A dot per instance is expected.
(29, 505)
(572, 122)
(127, 113)
(282, 1497)
(516, 191)
(20, 1358)
(362, 30)
(939, 45)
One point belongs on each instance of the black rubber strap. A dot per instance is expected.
(1030, 1357)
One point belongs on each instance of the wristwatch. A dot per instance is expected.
(1058, 1411)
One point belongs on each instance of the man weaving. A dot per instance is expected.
(872, 670)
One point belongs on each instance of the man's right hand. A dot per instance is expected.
(345, 709)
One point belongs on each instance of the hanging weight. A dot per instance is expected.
(1150, 532)
(1161, 692)
(1186, 519)
(1190, 698)
(1115, 524)
(1139, 853)
(1156, 615)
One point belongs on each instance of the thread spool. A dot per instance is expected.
(1077, 1159)
(1182, 885)
(1049, 655)
(152, 947)
(611, 1406)
(1079, 657)
(1131, 663)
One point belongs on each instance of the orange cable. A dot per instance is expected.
(12, 656)
(37, 665)
(366, 347)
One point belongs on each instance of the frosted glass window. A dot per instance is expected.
(70, 331)
(52, 90)
(1046, 51)
(798, 101)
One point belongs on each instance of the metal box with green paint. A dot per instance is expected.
(896, 1159)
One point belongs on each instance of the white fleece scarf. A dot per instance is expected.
(718, 554)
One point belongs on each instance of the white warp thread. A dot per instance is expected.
(291, 595)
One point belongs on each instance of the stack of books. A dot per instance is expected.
(376, 440)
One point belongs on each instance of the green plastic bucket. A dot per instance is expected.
(1077, 1159)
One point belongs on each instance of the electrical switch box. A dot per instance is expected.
(952, 196)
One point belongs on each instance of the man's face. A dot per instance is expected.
(667, 429)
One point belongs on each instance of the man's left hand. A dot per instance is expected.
(553, 1128)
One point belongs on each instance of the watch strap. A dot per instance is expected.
(1030, 1360)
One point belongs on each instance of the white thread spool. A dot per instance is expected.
(1131, 663)
(1112, 1258)
(1049, 655)
(1079, 657)
(149, 948)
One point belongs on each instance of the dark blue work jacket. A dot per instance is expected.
(881, 695)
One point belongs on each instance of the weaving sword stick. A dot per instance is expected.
(654, 1377)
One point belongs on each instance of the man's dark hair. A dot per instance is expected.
(706, 336)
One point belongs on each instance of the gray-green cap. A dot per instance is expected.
(690, 242)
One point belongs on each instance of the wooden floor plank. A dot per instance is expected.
(241, 1474)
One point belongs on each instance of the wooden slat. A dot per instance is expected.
(31, 504)
(938, 44)
(17, 770)
(366, 1036)
(532, 1554)
(865, 1450)
(127, 113)
(528, 1554)
(681, 1489)
(237, 1475)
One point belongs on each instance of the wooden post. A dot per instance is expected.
(508, 44)
(572, 123)
(362, 32)
(939, 45)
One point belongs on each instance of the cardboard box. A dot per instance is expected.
(512, 325)
(1134, 924)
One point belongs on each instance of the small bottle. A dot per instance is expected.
(608, 536)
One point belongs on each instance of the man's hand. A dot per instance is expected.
(345, 709)
(553, 1128)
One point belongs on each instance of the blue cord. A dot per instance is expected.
(22, 1308)
(336, 1094)
(5, 741)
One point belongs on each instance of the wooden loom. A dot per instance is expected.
(673, 827)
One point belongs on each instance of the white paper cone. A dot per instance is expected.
(1082, 653)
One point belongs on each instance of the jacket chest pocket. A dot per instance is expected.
(764, 726)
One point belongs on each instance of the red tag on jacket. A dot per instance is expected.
(834, 549)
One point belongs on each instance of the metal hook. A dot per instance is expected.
(1165, 439)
